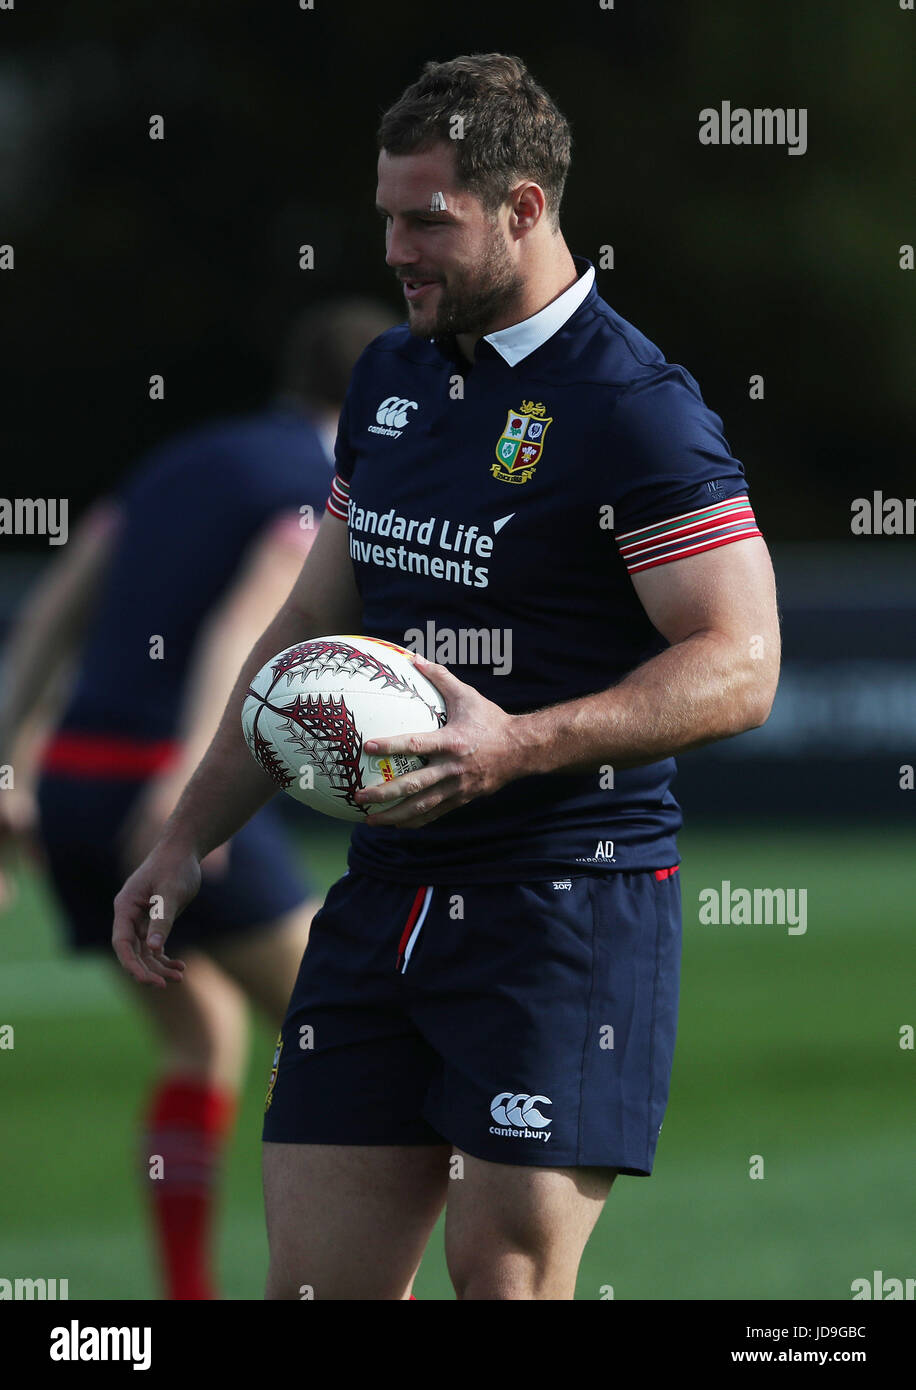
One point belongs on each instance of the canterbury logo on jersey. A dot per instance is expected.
(392, 415)
(518, 1116)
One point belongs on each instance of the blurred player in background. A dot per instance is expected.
(142, 624)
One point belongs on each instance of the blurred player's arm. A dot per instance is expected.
(228, 786)
(41, 648)
(266, 576)
(51, 623)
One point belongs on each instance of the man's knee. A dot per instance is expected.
(506, 1258)
(490, 1272)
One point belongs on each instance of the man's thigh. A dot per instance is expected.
(350, 1221)
(515, 1232)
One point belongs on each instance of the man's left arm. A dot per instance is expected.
(718, 678)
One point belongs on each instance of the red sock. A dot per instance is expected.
(187, 1124)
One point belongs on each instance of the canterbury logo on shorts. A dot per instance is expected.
(518, 1116)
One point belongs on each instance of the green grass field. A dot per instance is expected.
(788, 1049)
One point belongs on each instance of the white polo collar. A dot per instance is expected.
(520, 339)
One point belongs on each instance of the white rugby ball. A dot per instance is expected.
(309, 710)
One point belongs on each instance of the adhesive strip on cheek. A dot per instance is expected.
(437, 203)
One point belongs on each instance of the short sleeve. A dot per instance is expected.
(339, 499)
(680, 492)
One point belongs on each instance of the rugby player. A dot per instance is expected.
(485, 1014)
(149, 612)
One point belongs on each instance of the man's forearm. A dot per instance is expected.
(49, 628)
(228, 787)
(692, 693)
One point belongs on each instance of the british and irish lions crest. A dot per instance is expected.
(520, 443)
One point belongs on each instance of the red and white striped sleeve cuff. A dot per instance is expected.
(688, 534)
(339, 500)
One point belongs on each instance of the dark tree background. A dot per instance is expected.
(180, 256)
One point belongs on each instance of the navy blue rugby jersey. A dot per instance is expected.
(186, 513)
(496, 511)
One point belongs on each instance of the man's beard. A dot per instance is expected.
(473, 307)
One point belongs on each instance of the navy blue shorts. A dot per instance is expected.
(80, 820)
(529, 1023)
